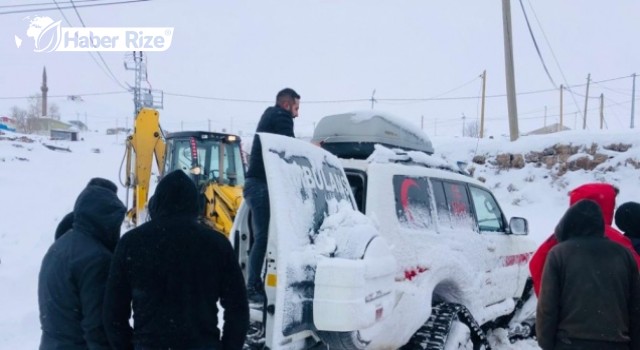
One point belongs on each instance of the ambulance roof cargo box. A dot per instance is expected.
(353, 135)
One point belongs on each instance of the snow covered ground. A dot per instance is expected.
(38, 187)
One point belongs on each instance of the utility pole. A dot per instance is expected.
(142, 97)
(209, 122)
(633, 100)
(484, 87)
(463, 124)
(373, 99)
(601, 110)
(422, 122)
(511, 81)
(560, 127)
(586, 103)
(181, 125)
(44, 89)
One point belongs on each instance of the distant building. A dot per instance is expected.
(79, 125)
(7, 123)
(549, 129)
(69, 135)
(114, 131)
(44, 125)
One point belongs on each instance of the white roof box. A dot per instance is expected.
(352, 135)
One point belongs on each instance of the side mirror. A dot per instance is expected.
(518, 226)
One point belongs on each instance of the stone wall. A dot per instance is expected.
(560, 157)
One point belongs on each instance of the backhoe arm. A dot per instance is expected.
(145, 142)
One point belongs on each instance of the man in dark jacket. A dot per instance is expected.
(590, 295)
(74, 273)
(628, 220)
(67, 221)
(275, 120)
(174, 270)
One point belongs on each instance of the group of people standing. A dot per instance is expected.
(170, 273)
(586, 275)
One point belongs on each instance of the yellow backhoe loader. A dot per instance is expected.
(213, 160)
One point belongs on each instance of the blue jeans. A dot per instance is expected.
(256, 195)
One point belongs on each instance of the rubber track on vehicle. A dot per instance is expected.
(255, 337)
(433, 333)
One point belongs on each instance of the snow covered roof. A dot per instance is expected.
(363, 129)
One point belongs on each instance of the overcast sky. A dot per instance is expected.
(342, 50)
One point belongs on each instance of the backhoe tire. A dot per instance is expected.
(343, 340)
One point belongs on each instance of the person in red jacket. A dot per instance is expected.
(605, 196)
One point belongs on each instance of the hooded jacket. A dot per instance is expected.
(274, 120)
(605, 196)
(67, 221)
(174, 270)
(590, 286)
(628, 220)
(74, 272)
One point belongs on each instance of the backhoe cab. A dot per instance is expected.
(214, 163)
(213, 160)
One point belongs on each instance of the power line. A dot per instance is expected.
(69, 7)
(535, 43)
(67, 95)
(43, 3)
(418, 99)
(553, 54)
(104, 68)
(219, 98)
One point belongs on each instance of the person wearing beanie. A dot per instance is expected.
(628, 221)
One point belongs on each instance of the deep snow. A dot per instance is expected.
(38, 187)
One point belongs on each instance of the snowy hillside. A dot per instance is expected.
(38, 186)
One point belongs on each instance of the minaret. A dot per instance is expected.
(44, 90)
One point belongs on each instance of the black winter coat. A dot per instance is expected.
(175, 270)
(274, 120)
(628, 220)
(590, 291)
(74, 273)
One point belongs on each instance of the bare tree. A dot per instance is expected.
(34, 106)
(471, 129)
(54, 111)
(25, 118)
(22, 121)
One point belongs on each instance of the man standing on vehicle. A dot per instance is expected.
(275, 120)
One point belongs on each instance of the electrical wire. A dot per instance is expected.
(67, 95)
(564, 78)
(69, 7)
(535, 43)
(105, 69)
(110, 73)
(43, 3)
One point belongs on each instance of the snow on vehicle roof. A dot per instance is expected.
(383, 154)
(371, 127)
